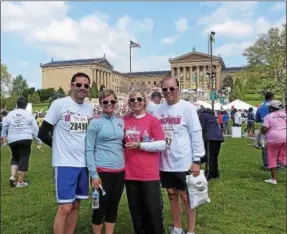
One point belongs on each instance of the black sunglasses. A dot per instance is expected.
(170, 89)
(80, 85)
(113, 102)
(139, 99)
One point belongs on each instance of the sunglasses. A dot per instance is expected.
(170, 89)
(113, 102)
(139, 99)
(80, 85)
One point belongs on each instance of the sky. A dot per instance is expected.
(37, 32)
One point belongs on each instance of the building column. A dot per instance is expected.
(172, 72)
(197, 77)
(190, 78)
(218, 83)
(184, 77)
(204, 76)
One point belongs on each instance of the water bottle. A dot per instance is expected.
(96, 199)
(145, 137)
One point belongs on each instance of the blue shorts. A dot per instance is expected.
(71, 183)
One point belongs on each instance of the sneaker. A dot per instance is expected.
(271, 181)
(12, 181)
(21, 184)
(172, 231)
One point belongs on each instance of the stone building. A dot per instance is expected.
(191, 69)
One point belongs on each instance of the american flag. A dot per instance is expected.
(134, 44)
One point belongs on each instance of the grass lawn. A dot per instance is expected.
(241, 202)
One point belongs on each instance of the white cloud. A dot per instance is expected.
(231, 29)
(280, 22)
(232, 49)
(236, 20)
(181, 25)
(278, 6)
(24, 64)
(152, 63)
(51, 29)
(169, 40)
(144, 25)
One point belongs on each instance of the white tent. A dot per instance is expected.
(202, 103)
(238, 104)
(217, 106)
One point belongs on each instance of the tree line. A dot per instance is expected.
(11, 88)
(265, 69)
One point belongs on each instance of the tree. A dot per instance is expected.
(35, 98)
(27, 92)
(61, 92)
(228, 81)
(6, 80)
(267, 62)
(11, 103)
(19, 84)
(45, 94)
(93, 91)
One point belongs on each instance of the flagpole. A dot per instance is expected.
(130, 60)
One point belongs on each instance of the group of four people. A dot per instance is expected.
(140, 151)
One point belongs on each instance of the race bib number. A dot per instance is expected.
(168, 135)
(78, 123)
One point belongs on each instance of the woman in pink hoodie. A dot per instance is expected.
(144, 139)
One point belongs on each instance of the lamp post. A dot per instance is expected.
(211, 39)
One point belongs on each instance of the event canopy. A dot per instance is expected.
(202, 103)
(238, 104)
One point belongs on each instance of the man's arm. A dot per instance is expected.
(46, 133)
(195, 132)
(52, 117)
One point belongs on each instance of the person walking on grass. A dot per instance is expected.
(250, 129)
(18, 130)
(144, 140)
(105, 161)
(213, 138)
(274, 126)
(183, 152)
(64, 129)
(225, 120)
(261, 112)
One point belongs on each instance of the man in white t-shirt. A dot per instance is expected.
(154, 103)
(183, 153)
(64, 129)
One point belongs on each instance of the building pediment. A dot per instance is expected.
(104, 62)
(192, 56)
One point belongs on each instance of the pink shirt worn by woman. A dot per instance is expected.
(142, 165)
(276, 122)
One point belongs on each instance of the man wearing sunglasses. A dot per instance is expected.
(64, 129)
(183, 152)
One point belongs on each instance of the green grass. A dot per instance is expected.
(39, 106)
(241, 202)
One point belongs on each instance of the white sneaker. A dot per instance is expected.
(12, 181)
(271, 181)
(21, 184)
(172, 231)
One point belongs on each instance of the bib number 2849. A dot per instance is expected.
(78, 124)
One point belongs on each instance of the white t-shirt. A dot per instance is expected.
(70, 121)
(151, 107)
(183, 135)
(238, 118)
(18, 125)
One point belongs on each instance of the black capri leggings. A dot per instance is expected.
(20, 154)
(113, 184)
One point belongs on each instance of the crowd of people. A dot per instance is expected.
(153, 145)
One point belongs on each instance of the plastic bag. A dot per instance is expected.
(197, 189)
(260, 141)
